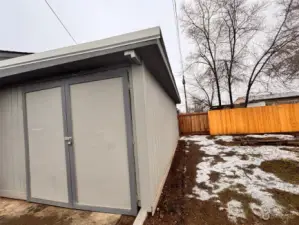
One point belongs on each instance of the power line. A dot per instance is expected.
(60, 21)
(180, 50)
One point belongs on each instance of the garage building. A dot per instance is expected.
(91, 126)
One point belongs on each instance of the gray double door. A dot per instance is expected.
(79, 147)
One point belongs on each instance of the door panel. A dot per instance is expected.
(100, 144)
(46, 145)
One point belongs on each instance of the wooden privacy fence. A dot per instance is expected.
(194, 123)
(265, 119)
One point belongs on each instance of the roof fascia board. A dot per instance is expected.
(138, 37)
(66, 58)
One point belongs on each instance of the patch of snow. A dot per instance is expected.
(259, 211)
(201, 139)
(203, 195)
(295, 213)
(235, 210)
(221, 208)
(235, 172)
(225, 138)
(279, 136)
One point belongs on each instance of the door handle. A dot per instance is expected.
(69, 140)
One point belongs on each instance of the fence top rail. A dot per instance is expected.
(193, 114)
(260, 107)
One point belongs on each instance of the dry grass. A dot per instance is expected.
(214, 176)
(288, 200)
(286, 170)
(217, 159)
(239, 187)
(228, 194)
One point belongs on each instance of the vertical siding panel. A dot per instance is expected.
(162, 134)
(12, 147)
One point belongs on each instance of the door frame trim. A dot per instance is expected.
(64, 83)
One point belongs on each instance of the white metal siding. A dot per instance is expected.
(140, 136)
(162, 133)
(12, 147)
(155, 133)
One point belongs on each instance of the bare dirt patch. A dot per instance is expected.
(228, 195)
(214, 176)
(175, 207)
(217, 159)
(227, 143)
(244, 157)
(170, 207)
(180, 202)
(286, 170)
(288, 200)
(15, 212)
(257, 140)
(31, 219)
(291, 149)
(126, 220)
(229, 153)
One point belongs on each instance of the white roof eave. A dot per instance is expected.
(102, 47)
(83, 51)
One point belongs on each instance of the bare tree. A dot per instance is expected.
(284, 67)
(200, 24)
(241, 22)
(284, 35)
(221, 30)
(198, 105)
(202, 88)
(224, 33)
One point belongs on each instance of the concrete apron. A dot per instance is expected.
(13, 212)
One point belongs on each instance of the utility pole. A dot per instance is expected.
(180, 51)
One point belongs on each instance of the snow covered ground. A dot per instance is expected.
(278, 136)
(238, 170)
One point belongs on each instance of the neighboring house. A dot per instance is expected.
(11, 54)
(91, 126)
(270, 99)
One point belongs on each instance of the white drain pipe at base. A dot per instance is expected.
(141, 217)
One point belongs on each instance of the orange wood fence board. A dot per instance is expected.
(265, 119)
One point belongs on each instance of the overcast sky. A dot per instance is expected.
(30, 26)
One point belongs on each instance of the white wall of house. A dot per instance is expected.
(12, 146)
(162, 131)
(156, 135)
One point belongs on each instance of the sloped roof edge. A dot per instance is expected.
(106, 46)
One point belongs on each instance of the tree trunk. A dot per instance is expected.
(230, 95)
(229, 75)
(247, 95)
(218, 93)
